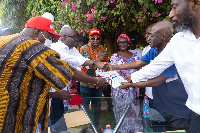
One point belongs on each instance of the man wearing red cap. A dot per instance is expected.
(93, 51)
(28, 69)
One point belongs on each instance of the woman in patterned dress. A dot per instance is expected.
(133, 119)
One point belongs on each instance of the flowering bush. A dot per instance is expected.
(112, 17)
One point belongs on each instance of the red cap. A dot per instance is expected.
(108, 126)
(42, 23)
(95, 31)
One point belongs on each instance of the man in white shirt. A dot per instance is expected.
(66, 48)
(183, 51)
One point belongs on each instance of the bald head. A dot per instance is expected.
(68, 36)
(164, 28)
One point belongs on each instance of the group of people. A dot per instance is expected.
(33, 70)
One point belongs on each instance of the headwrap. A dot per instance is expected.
(125, 36)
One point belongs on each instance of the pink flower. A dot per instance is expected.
(83, 33)
(151, 18)
(32, 14)
(90, 18)
(62, 22)
(157, 14)
(139, 19)
(158, 1)
(34, 10)
(117, 6)
(93, 9)
(79, 31)
(111, 1)
(74, 6)
(66, 2)
(57, 24)
(62, 9)
(88, 13)
(103, 18)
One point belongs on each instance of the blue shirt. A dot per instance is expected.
(169, 97)
(153, 52)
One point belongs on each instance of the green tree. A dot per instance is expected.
(12, 14)
(112, 17)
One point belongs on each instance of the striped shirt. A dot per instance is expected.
(27, 70)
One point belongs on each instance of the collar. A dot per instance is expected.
(62, 45)
(188, 34)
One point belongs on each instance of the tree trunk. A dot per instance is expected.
(111, 45)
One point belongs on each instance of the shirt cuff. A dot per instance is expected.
(134, 79)
(82, 60)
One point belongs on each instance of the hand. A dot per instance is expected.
(102, 83)
(129, 78)
(100, 65)
(107, 67)
(125, 85)
(64, 95)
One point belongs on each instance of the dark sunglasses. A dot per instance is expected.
(122, 42)
(92, 38)
(74, 37)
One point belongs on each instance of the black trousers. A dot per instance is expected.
(57, 110)
(107, 93)
(194, 124)
(177, 123)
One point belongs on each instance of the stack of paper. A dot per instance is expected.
(112, 77)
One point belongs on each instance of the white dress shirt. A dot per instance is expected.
(184, 51)
(71, 56)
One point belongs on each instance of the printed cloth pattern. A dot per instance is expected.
(99, 56)
(133, 119)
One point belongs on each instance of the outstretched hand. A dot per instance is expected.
(125, 85)
(64, 95)
(102, 83)
(104, 66)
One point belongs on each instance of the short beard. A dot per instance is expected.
(186, 22)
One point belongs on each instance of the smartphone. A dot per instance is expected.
(159, 123)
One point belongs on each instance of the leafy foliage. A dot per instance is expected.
(12, 14)
(112, 17)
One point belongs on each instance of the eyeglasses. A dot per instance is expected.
(92, 38)
(74, 37)
(122, 42)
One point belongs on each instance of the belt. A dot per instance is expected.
(197, 115)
